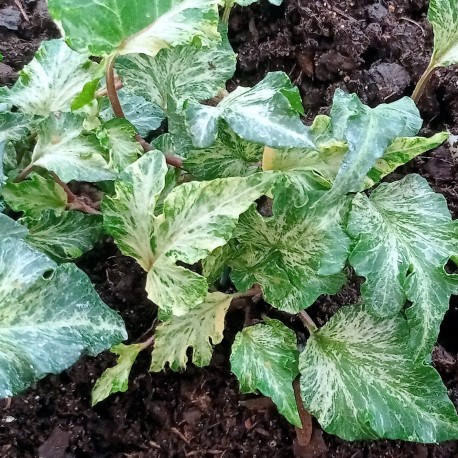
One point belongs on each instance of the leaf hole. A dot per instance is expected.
(48, 274)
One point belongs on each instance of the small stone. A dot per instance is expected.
(9, 419)
(10, 18)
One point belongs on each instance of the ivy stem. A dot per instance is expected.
(24, 174)
(308, 322)
(423, 81)
(304, 434)
(227, 11)
(147, 343)
(112, 94)
(73, 201)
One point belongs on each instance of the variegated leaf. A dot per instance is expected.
(117, 136)
(135, 26)
(295, 256)
(361, 381)
(9, 228)
(129, 216)
(443, 15)
(51, 81)
(401, 151)
(368, 132)
(64, 149)
(49, 315)
(405, 235)
(116, 379)
(200, 329)
(265, 358)
(181, 72)
(15, 126)
(63, 237)
(35, 195)
(229, 156)
(267, 114)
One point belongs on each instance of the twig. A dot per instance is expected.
(104, 92)
(308, 322)
(22, 10)
(415, 23)
(179, 434)
(304, 434)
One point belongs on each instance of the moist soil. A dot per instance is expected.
(375, 48)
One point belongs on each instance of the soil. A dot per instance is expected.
(376, 48)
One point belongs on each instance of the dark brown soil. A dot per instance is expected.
(376, 48)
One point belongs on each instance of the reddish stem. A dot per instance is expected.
(304, 434)
(24, 174)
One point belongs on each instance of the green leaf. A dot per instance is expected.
(181, 72)
(51, 81)
(49, 316)
(368, 131)
(265, 358)
(63, 237)
(11, 229)
(35, 195)
(116, 379)
(118, 137)
(229, 156)
(144, 115)
(405, 236)
(401, 151)
(443, 15)
(262, 114)
(64, 149)
(135, 26)
(86, 96)
(200, 329)
(197, 218)
(359, 379)
(15, 126)
(296, 255)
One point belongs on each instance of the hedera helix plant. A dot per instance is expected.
(186, 206)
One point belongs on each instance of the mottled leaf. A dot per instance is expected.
(11, 229)
(360, 380)
(265, 358)
(135, 26)
(405, 236)
(35, 195)
(200, 329)
(116, 379)
(51, 81)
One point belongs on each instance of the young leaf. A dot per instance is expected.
(359, 379)
(118, 137)
(181, 72)
(264, 357)
(401, 151)
(368, 131)
(405, 236)
(135, 26)
(200, 329)
(267, 114)
(62, 148)
(35, 195)
(296, 255)
(51, 81)
(116, 379)
(229, 156)
(49, 315)
(63, 237)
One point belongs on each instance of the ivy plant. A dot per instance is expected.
(233, 197)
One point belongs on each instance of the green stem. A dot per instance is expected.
(421, 85)
(227, 11)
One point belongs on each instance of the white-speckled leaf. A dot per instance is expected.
(35, 195)
(129, 216)
(250, 2)
(63, 237)
(135, 26)
(49, 316)
(267, 114)
(265, 358)
(200, 329)
(15, 126)
(368, 132)
(182, 72)
(360, 380)
(64, 149)
(117, 136)
(295, 256)
(9, 228)
(51, 81)
(405, 236)
(401, 151)
(443, 15)
(116, 379)
(229, 156)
